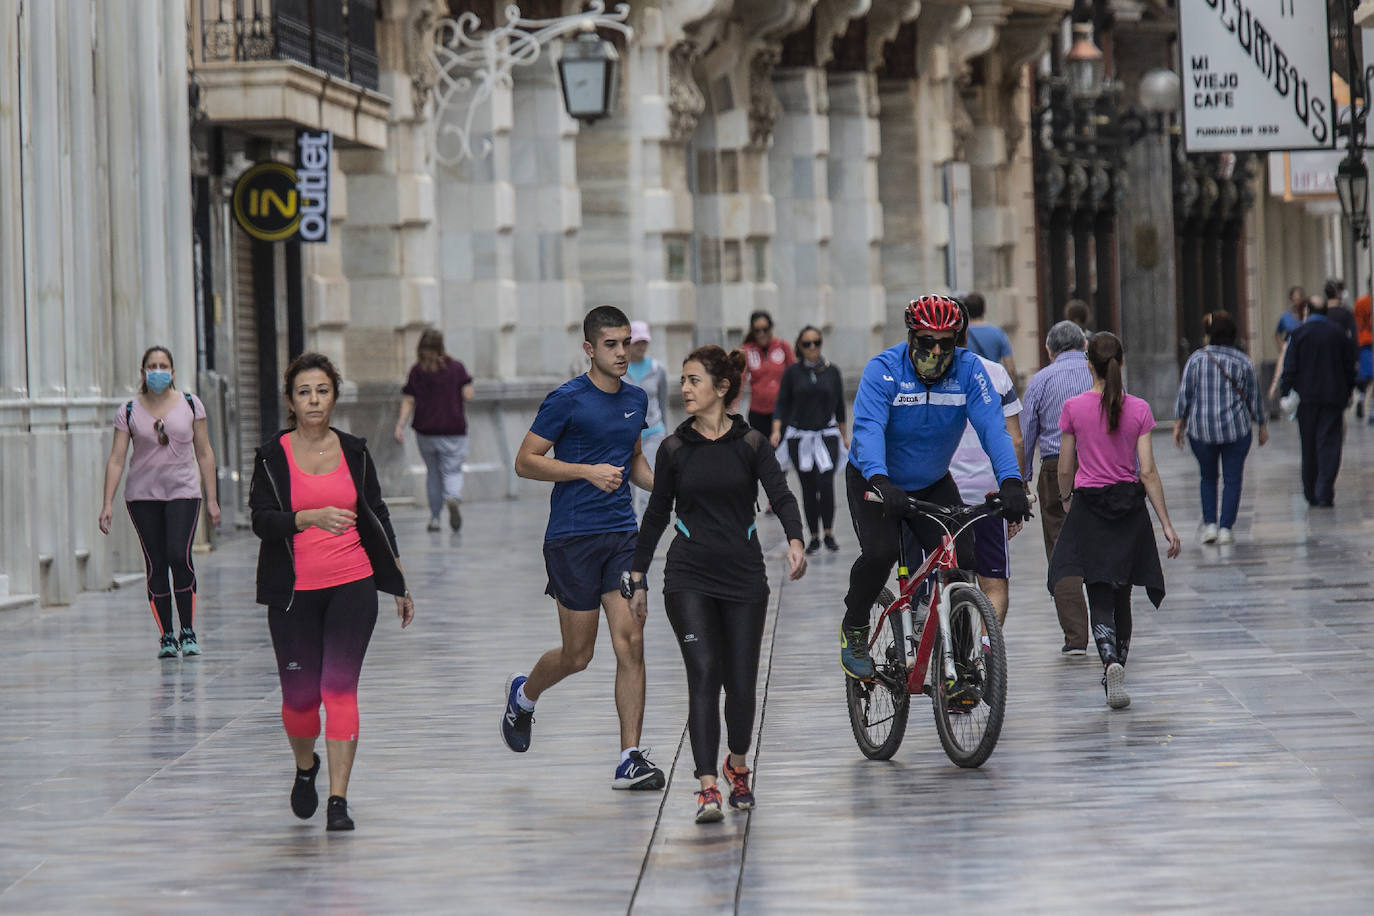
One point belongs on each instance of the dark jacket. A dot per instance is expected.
(810, 397)
(1320, 364)
(269, 500)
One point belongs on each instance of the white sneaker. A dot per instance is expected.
(1224, 536)
(1209, 534)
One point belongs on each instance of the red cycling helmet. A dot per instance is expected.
(934, 313)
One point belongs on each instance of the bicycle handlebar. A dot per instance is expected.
(960, 515)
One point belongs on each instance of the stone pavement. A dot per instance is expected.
(1241, 779)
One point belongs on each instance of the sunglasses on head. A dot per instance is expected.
(814, 342)
(928, 342)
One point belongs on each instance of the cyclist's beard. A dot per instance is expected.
(931, 366)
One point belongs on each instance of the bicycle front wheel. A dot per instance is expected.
(969, 708)
(878, 709)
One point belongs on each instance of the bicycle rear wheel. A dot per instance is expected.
(878, 709)
(969, 709)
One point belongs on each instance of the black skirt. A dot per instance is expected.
(1107, 537)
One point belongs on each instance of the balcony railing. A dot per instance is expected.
(338, 37)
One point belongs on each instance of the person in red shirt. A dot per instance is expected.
(1364, 338)
(765, 358)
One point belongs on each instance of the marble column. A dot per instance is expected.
(798, 167)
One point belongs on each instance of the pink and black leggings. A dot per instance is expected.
(320, 643)
(166, 528)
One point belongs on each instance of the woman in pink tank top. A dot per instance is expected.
(1106, 472)
(327, 549)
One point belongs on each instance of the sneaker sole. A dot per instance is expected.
(455, 517)
(710, 816)
(652, 782)
(1073, 653)
(742, 806)
(1117, 697)
(505, 702)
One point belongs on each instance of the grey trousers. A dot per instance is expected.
(1069, 602)
(444, 457)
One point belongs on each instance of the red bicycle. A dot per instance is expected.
(954, 654)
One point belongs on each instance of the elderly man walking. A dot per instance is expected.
(1067, 375)
(1320, 366)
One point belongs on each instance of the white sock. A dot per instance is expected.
(523, 701)
(625, 754)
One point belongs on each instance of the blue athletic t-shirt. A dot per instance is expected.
(588, 426)
(989, 342)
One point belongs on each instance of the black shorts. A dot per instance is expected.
(584, 567)
(990, 548)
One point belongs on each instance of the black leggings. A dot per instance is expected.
(166, 528)
(720, 642)
(1109, 612)
(879, 537)
(817, 487)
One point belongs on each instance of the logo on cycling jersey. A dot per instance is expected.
(983, 386)
(908, 386)
(903, 400)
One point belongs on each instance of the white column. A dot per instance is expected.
(798, 166)
(856, 272)
(328, 296)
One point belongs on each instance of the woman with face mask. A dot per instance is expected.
(172, 459)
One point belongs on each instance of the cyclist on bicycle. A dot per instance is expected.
(910, 411)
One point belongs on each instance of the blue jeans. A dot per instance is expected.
(444, 457)
(1232, 458)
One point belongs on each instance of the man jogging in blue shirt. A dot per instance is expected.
(592, 424)
(910, 412)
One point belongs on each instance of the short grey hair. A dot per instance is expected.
(1065, 336)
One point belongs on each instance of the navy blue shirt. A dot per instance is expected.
(588, 426)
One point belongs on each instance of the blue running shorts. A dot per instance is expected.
(990, 548)
(584, 567)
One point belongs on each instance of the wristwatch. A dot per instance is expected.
(628, 586)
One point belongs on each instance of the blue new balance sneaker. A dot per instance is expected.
(854, 657)
(638, 773)
(516, 722)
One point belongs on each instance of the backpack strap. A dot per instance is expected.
(128, 413)
(190, 403)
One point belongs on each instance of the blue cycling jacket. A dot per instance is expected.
(908, 430)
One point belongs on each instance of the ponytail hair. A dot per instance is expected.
(1105, 355)
(721, 366)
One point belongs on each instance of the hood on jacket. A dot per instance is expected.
(738, 430)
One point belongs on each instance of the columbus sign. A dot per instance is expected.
(1256, 75)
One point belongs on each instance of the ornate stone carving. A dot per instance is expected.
(685, 99)
(764, 107)
(832, 19)
(884, 19)
(419, 28)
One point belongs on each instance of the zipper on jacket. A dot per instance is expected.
(277, 493)
(378, 522)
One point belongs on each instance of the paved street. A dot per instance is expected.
(1240, 780)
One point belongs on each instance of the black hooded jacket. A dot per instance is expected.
(713, 483)
(269, 500)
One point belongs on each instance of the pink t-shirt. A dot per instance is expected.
(158, 471)
(1105, 458)
(324, 560)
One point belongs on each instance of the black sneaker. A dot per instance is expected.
(337, 813)
(815, 544)
(168, 647)
(516, 722)
(455, 516)
(1067, 651)
(637, 772)
(304, 798)
(830, 544)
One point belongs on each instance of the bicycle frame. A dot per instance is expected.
(936, 568)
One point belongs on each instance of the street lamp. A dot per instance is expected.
(471, 64)
(1159, 92)
(1084, 63)
(589, 71)
(1352, 187)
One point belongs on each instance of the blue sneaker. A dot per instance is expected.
(854, 658)
(638, 773)
(189, 645)
(167, 647)
(516, 722)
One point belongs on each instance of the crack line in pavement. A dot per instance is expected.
(658, 819)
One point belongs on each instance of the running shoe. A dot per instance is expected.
(337, 814)
(741, 796)
(168, 647)
(854, 657)
(637, 772)
(815, 544)
(304, 798)
(1067, 651)
(455, 516)
(708, 806)
(1114, 683)
(516, 722)
(433, 524)
(1225, 536)
(830, 544)
(1209, 534)
(189, 646)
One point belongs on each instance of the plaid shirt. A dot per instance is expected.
(1215, 410)
(1046, 393)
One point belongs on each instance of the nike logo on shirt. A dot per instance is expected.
(631, 414)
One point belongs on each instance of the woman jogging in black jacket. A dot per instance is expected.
(327, 549)
(715, 588)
